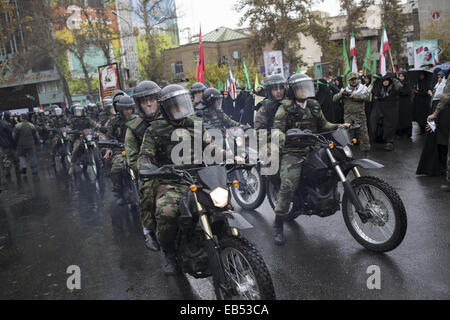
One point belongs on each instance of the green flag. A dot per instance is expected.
(346, 62)
(237, 82)
(246, 78)
(219, 85)
(298, 69)
(226, 83)
(374, 63)
(339, 72)
(367, 58)
(256, 82)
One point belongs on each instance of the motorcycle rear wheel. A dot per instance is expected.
(253, 196)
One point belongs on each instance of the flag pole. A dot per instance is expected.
(392, 62)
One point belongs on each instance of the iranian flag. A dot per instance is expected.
(232, 87)
(384, 48)
(353, 53)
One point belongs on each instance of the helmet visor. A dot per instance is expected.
(178, 107)
(78, 112)
(303, 89)
(277, 91)
(217, 103)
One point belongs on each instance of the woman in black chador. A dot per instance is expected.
(404, 127)
(325, 99)
(422, 102)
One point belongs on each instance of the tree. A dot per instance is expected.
(439, 31)
(276, 23)
(155, 16)
(396, 23)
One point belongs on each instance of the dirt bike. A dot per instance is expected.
(373, 211)
(90, 161)
(63, 147)
(129, 180)
(208, 241)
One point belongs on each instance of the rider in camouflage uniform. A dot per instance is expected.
(303, 113)
(197, 90)
(210, 110)
(145, 96)
(176, 107)
(115, 130)
(444, 106)
(354, 98)
(265, 111)
(58, 121)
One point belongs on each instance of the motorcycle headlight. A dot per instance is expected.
(219, 197)
(89, 137)
(348, 152)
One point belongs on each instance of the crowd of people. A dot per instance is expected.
(382, 107)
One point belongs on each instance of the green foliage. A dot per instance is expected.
(439, 31)
(214, 71)
(310, 72)
(396, 23)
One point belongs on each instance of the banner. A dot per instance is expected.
(273, 62)
(109, 80)
(425, 53)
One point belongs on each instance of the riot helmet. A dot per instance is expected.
(175, 103)
(117, 94)
(78, 111)
(58, 111)
(108, 104)
(124, 103)
(301, 87)
(146, 96)
(212, 98)
(197, 90)
(275, 86)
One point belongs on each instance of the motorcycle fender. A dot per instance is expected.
(366, 164)
(235, 220)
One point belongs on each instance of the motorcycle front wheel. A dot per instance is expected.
(386, 228)
(245, 270)
(251, 191)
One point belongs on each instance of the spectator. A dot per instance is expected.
(325, 98)
(404, 127)
(438, 89)
(26, 137)
(421, 107)
(8, 148)
(227, 104)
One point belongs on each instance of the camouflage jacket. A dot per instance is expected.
(444, 102)
(214, 117)
(157, 145)
(134, 136)
(265, 114)
(81, 123)
(116, 128)
(355, 104)
(56, 122)
(103, 117)
(291, 115)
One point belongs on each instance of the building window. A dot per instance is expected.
(436, 15)
(177, 68)
(195, 56)
(49, 87)
(236, 54)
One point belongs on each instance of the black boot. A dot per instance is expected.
(170, 266)
(279, 232)
(151, 242)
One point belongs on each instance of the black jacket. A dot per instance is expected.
(6, 138)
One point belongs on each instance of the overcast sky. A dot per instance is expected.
(212, 14)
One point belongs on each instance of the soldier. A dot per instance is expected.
(92, 111)
(210, 110)
(177, 110)
(107, 112)
(145, 96)
(56, 122)
(197, 90)
(8, 147)
(26, 137)
(444, 107)
(303, 113)
(116, 129)
(275, 87)
(79, 122)
(354, 97)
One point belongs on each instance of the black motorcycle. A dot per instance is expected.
(252, 187)
(129, 180)
(372, 209)
(208, 241)
(90, 160)
(63, 147)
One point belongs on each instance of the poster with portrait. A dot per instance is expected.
(425, 52)
(109, 80)
(273, 62)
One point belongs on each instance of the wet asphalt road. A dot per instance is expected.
(50, 223)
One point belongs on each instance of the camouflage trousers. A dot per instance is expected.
(116, 170)
(168, 198)
(362, 134)
(76, 150)
(9, 157)
(290, 172)
(147, 194)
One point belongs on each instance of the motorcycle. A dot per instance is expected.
(252, 187)
(373, 211)
(208, 241)
(90, 160)
(129, 180)
(63, 148)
